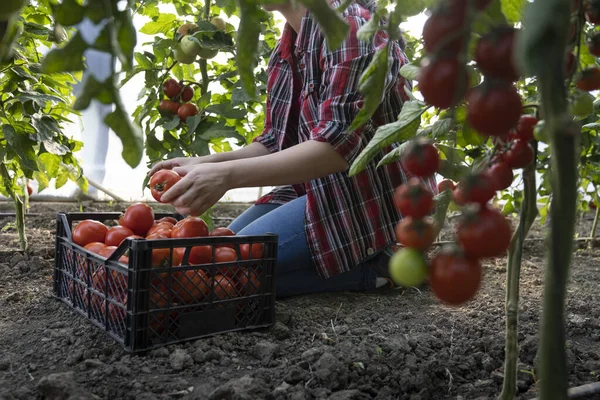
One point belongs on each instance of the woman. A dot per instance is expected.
(335, 232)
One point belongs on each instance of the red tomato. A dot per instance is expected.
(247, 281)
(163, 228)
(475, 188)
(501, 175)
(116, 235)
(415, 233)
(95, 247)
(162, 181)
(191, 286)
(440, 82)
(257, 251)
(445, 22)
(525, 127)
(589, 79)
(223, 287)
(494, 53)
(171, 88)
(89, 231)
(483, 234)
(222, 232)
(199, 255)
(138, 217)
(592, 205)
(187, 110)
(187, 94)
(519, 155)
(454, 279)
(225, 255)
(413, 199)
(161, 258)
(167, 219)
(494, 109)
(446, 184)
(421, 159)
(29, 189)
(190, 227)
(168, 108)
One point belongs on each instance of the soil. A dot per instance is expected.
(388, 344)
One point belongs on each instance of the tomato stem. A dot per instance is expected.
(529, 212)
(595, 223)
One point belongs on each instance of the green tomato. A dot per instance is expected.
(582, 105)
(207, 54)
(8, 8)
(189, 46)
(539, 132)
(408, 267)
(182, 57)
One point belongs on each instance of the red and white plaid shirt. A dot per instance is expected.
(313, 95)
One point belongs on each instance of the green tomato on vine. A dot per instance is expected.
(581, 105)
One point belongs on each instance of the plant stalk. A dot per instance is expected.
(20, 221)
(595, 223)
(515, 251)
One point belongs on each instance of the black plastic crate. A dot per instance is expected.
(145, 306)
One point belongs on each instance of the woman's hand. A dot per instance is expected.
(201, 186)
(175, 162)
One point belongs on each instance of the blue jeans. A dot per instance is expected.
(296, 272)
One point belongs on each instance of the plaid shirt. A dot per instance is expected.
(313, 95)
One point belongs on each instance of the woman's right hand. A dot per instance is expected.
(175, 162)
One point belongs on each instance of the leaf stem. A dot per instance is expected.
(595, 223)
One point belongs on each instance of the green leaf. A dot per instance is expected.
(366, 32)
(442, 127)
(22, 145)
(409, 8)
(452, 154)
(130, 135)
(127, 38)
(47, 128)
(226, 110)
(410, 71)
(66, 59)
(247, 43)
(173, 123)
(93, 89)
(193, 122)
(163, 23)
(401, 130)
(394, 155)
(219, 130)
(50, 163)
(512, 9)
(330, 22)
(442, 201)
(372, 85)
(68, 13)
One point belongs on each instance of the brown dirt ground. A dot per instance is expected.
(393, 344)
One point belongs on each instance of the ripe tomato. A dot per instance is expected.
(171, 88)
(29, 189)
(443, 82)
(589, 79)
(501, 175)
(592, 12)
(190, 227)
(454, 279)
(494, 109)
(161, 228)
(421, 159)
(226, 255)
(167, 219)
(494, 53)
(445, 23)
(168, 108)
(116, 314)
(525, 127)
(257, 251)
(162, 181)
(108, 251)
(413, 199)
(519, 155)
(485, 233)
(247, 281)
(219, 23)
(95, 247)
(475, 188)
(222, 232)
(138, 217)
(415, 233)
(187, 94)
(191, 286)
(592, 205)
(408, 267)
(116, 235)
(187, 110)
(89, 231)
(201, 255)
(224, 288)
(446, 184)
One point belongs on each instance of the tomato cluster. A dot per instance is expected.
(178, 104)
(187, 285)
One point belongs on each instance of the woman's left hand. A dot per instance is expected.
(200, 187)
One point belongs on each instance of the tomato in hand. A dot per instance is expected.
(190, 227)
(493, 109)
(222, 232)
(501, 175)
(116, 235)
(525, 127)
(519, 155)
(494, 53)
(443, 82)
(171, 88)
(474, 188)
(413, 199)
(454, 279)
(89, 231)
(446, 184)
(187, 94)
(421, 159)
(486, 233)
(187, 110)
(408, 267)
(415, 233)
(589, 79)
(138, 217)
(168, 108)
(162, 181)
